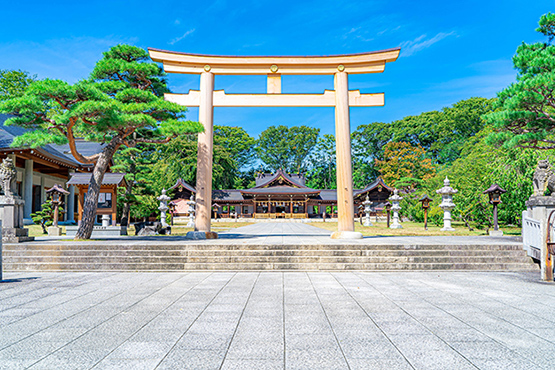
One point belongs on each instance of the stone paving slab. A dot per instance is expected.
(290, 233)
(277, 320)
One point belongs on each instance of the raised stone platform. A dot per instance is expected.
(271, 247)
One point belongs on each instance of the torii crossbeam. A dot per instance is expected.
(274, 66)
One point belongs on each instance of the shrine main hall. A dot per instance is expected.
(278, 195)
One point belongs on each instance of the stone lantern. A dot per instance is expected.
(367, 209)
(494, 192)
(163, 207)
(387, 206)
(191, 203)
(395, 207)
(56, 192)
(425, 200)
(447, 204)
(172, 205)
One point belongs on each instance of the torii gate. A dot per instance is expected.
(340, 98)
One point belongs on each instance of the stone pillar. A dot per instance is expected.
(42, 190)
(345, 203)
(71, 204)
(204, 161)
(28, 189)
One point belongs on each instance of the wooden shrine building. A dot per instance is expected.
(278, 195)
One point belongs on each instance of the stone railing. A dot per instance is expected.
(532, 236)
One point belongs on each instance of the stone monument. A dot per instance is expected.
(395, 207)
(447, 204)
(191, 203)
(539, 208)
(11, 206)
(367, 209)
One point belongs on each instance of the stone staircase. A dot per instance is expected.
(184, 257)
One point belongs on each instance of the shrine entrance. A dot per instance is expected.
(340, 66)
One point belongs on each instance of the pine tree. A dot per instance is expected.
(120, 104)
(525, 109)
(45, 216)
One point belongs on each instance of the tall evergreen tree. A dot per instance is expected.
(120, 104)
(526, 109)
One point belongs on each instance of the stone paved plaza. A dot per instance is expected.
(276, 320)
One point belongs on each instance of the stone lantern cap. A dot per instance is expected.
(395, 196)
(163, 197)
(495, 189)
(446, 189)
(57, 189)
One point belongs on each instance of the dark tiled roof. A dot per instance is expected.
(280, 190)
(293, 180)
(85, 178)
(58, 152)
(330, 194)
(180, 182)
(230, 195)
(372, 186)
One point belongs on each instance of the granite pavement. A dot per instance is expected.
(277, 320)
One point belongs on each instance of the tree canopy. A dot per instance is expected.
(120, 104)
(13, 83)
(525, 115)
(286, 148)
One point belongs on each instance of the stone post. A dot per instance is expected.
(28, 189)
(105, 220)
(395, 207)
(447, 204)
(11, 206)
(191, 203)
(345, 202)
(71, 204)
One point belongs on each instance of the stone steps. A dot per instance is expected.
(258, 253)
(77, 246)
(141, 256)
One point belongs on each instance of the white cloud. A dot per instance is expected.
(421, 42)
(177, 39)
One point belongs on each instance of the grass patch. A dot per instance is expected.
(414, 229)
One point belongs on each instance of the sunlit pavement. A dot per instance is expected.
(253, 320)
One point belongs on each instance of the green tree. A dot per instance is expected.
(322, 164)
(286, 148)
(525, 115)
(13, 83)
(238, 143)
(404, 161)
(123, 95)
(134, 162)
(44, 217)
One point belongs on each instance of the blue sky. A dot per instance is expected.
(451, 50)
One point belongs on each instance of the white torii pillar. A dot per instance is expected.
(345, 204)
(205, 158)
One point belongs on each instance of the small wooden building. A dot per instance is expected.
(107, 204)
